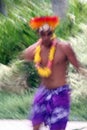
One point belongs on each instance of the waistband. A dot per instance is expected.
(58, 89)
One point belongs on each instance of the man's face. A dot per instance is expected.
(46, 36)
(46, 33)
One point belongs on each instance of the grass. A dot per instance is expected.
(79, 82)
(13, 106)
(79, 99)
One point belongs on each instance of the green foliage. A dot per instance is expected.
(9, 40)
(15, 33)
(13, 106)
(69, 25)
(76, 14)
(32, 77)
(78, 8)
(78, 109)
(14, 37)
(79, 96)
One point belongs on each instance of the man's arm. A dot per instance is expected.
(28, 53)
(74, 60)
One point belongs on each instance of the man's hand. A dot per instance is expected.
(83, 71)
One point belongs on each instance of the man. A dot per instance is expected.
(51, 57)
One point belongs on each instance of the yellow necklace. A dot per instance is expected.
(44, 71)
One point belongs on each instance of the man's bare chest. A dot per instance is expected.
(59, 57)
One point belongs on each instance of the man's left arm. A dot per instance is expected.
(74, 60)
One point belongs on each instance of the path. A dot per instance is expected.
(26, 125)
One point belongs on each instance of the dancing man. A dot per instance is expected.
(51, 57)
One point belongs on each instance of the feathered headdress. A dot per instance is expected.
(37, 22)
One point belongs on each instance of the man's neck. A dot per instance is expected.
(47, 45)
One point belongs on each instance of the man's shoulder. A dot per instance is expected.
(34, 45)
(63, 44)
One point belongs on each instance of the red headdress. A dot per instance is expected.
(37, 22)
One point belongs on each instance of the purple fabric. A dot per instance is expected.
(51, 106)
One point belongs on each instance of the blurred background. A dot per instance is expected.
(18, 79)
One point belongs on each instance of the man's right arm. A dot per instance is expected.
(28, 53)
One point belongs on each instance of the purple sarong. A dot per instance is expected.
(51, 107)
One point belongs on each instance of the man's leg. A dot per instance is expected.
(36, 127)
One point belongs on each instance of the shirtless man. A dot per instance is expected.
(52, 100)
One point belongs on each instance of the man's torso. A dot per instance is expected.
(59, 67)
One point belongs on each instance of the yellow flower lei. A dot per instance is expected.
(44, 71)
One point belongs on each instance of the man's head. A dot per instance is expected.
(45, 26)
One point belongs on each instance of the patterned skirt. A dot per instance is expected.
(51, 107)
